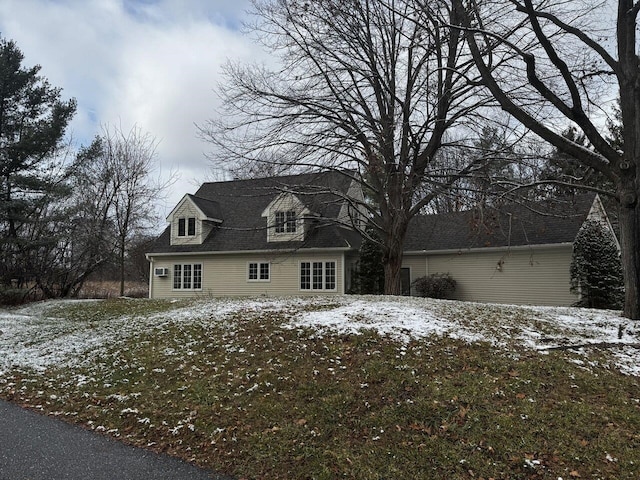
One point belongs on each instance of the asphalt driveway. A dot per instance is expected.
(37, 447)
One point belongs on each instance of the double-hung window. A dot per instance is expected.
(286, 222)
(187, 276)
(259, 272)
(318, 275)
(187, 226)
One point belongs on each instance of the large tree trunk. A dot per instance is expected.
(629, 186)
(393, 252)
(392, 266)
(630, 246)
(121, 262)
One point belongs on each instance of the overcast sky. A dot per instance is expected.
(150, 63)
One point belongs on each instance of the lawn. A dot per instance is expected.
(346, 387)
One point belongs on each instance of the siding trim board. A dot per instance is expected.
(488, 249)
(342, 274)
(250, 252)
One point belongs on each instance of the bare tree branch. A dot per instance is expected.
(367, 85)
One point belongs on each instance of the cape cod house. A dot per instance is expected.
(292, 235)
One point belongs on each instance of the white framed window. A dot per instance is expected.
(286, 221)
(318, 275)
(259, 272)
(330, 275)
(187, 276)
(187, 226)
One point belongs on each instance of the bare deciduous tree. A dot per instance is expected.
(129, 165)
(365, 85)
(81, 237)
(551, 64)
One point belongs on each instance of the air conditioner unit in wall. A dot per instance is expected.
(161, 272)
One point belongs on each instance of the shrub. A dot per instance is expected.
(596, 268)
(14, 296)
(369, 279)
(437, 285)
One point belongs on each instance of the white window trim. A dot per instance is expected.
(182, 289)
(258, 280)
(324, 276)
(287, 226)
(186, 227)
(195, 226)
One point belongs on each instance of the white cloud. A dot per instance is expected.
(151, 63)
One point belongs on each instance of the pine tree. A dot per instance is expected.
(370, 266)
(596, 268)
(33, 121)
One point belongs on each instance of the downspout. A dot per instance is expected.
(343, 274)
(150, 276)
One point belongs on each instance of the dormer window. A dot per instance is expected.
(286, 221)
(187, 227)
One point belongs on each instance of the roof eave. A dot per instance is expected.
(449, 251)
(242, 252)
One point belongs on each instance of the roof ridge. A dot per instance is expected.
(275, 177)
(526, 204)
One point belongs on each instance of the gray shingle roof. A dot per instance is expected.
(510, 225)
(210, 208)
(240, 203)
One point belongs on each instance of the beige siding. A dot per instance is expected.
(417, 265)
(526, 276)
(227, 275)
(186, 209)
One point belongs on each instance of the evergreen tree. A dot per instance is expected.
(33, 121)
(573, 175)
(370, 266)
(615, 127)
(596, 268)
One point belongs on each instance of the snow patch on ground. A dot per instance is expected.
(29, 338)
(393, 318)
(536, 328)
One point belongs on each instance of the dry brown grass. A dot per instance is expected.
(111, 289)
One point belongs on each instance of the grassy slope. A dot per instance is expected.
(245, 395)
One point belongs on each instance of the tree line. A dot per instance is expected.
(64, 215)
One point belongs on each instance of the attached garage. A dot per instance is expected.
(531, 275)
(514, 255)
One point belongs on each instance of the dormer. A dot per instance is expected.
(193, 219)
(352, 212)
(286, 216)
